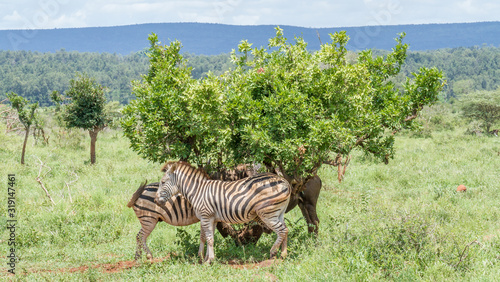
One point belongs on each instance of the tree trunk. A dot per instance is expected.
(93, 139)
(24, 144)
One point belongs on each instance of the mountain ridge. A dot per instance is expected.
(213, 39)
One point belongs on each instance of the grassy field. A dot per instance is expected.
(401, 221)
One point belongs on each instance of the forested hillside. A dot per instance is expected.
(214, 39)
(466, 69)
(35, 75)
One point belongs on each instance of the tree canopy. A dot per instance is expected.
(86, 108)
(282, 106)
(482, 106)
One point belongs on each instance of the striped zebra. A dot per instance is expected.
(176, 211)
(263, 197)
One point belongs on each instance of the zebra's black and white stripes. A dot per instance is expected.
(176, 211)
(263, 197)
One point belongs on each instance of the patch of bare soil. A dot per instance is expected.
(124, 265)
(104, 267)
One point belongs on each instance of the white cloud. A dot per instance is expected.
(14, 21)
(468, 7)
(188, 17)
(133, 8)
(14, 17)
(77, 19)
(246, 19)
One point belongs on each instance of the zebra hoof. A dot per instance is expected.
(208, 261)
(284, 254)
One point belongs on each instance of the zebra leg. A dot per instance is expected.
(284, 251)
(141, 238)
(208, 225)
(138, 251)
(276, 223)
(203, 239)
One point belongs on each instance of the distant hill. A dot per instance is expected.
(212, 39)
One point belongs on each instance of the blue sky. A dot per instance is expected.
(34, 14)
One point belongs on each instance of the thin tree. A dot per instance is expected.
(86, 109)
(27, 116)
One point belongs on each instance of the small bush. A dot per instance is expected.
(187, 242)
(408, 239)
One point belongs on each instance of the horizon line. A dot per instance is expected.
(246, 25)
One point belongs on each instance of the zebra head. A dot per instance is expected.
(168, 186)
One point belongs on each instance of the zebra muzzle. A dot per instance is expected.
(160, 200)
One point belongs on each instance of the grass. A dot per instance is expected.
(401, 221)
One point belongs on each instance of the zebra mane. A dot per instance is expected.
(167, 164)
(183, 163)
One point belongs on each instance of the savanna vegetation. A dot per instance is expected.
(402, 220)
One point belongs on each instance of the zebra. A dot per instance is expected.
(262, 197)
(176, 211)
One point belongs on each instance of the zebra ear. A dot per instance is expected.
(169, 167)
(172, 168)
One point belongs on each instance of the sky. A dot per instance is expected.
(48, 14)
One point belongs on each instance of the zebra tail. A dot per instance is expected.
(137, 194)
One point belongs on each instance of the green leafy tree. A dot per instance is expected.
(27, 116)
(85, 109)
(113, 110)
(176, 115)
(482, 106)
(282, 106)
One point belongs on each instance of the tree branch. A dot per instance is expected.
(14, 129)
(414, 115)
(281, 171)
(341, 171)
(39, 179)
(465, 249)
(361, 139)
(71, 182)
(336, 162)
